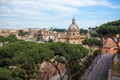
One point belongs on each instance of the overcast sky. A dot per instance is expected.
(57, 13)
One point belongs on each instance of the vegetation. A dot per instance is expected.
(116, 67)
(5, 74)
(111, 30)
(22, 33)
(59, 30)
(101, 38)
(10, 38)
(83, 31)
(3, 39)
(92, 43)
(68, 55)
(19, 60)
(38, 37)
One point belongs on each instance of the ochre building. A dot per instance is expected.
(71, 35)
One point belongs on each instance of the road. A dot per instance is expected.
(100, 69)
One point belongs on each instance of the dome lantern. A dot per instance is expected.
(73, 26)
(73, 20)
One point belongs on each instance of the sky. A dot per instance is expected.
(21, 14)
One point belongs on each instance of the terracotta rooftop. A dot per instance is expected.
(109, 43)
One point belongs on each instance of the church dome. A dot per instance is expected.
(73, 26)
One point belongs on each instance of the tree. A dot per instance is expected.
(67, 54)
(21, 33)
(21, 58)
(38, 37)
(100, 37)
(11, 38)
(50, 40)
(92, 43)
(3, 39)
(111, 30)
(83, 31)
(74, 70)
(5, 74)
(59, 30)
(72, 57)
(55, 52)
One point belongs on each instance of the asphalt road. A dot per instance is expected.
(100, 69)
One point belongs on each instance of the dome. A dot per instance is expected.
(73, 26)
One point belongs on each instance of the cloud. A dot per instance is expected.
(36, 8)
(58, 7)
(109, 4)
(48, 9)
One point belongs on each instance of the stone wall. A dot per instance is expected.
(113, 75)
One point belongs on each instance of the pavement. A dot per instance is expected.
(99, 68)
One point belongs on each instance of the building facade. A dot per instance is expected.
(33, 31)
(109, 47)
(46, 35)
(71, 35)
(6, 32)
